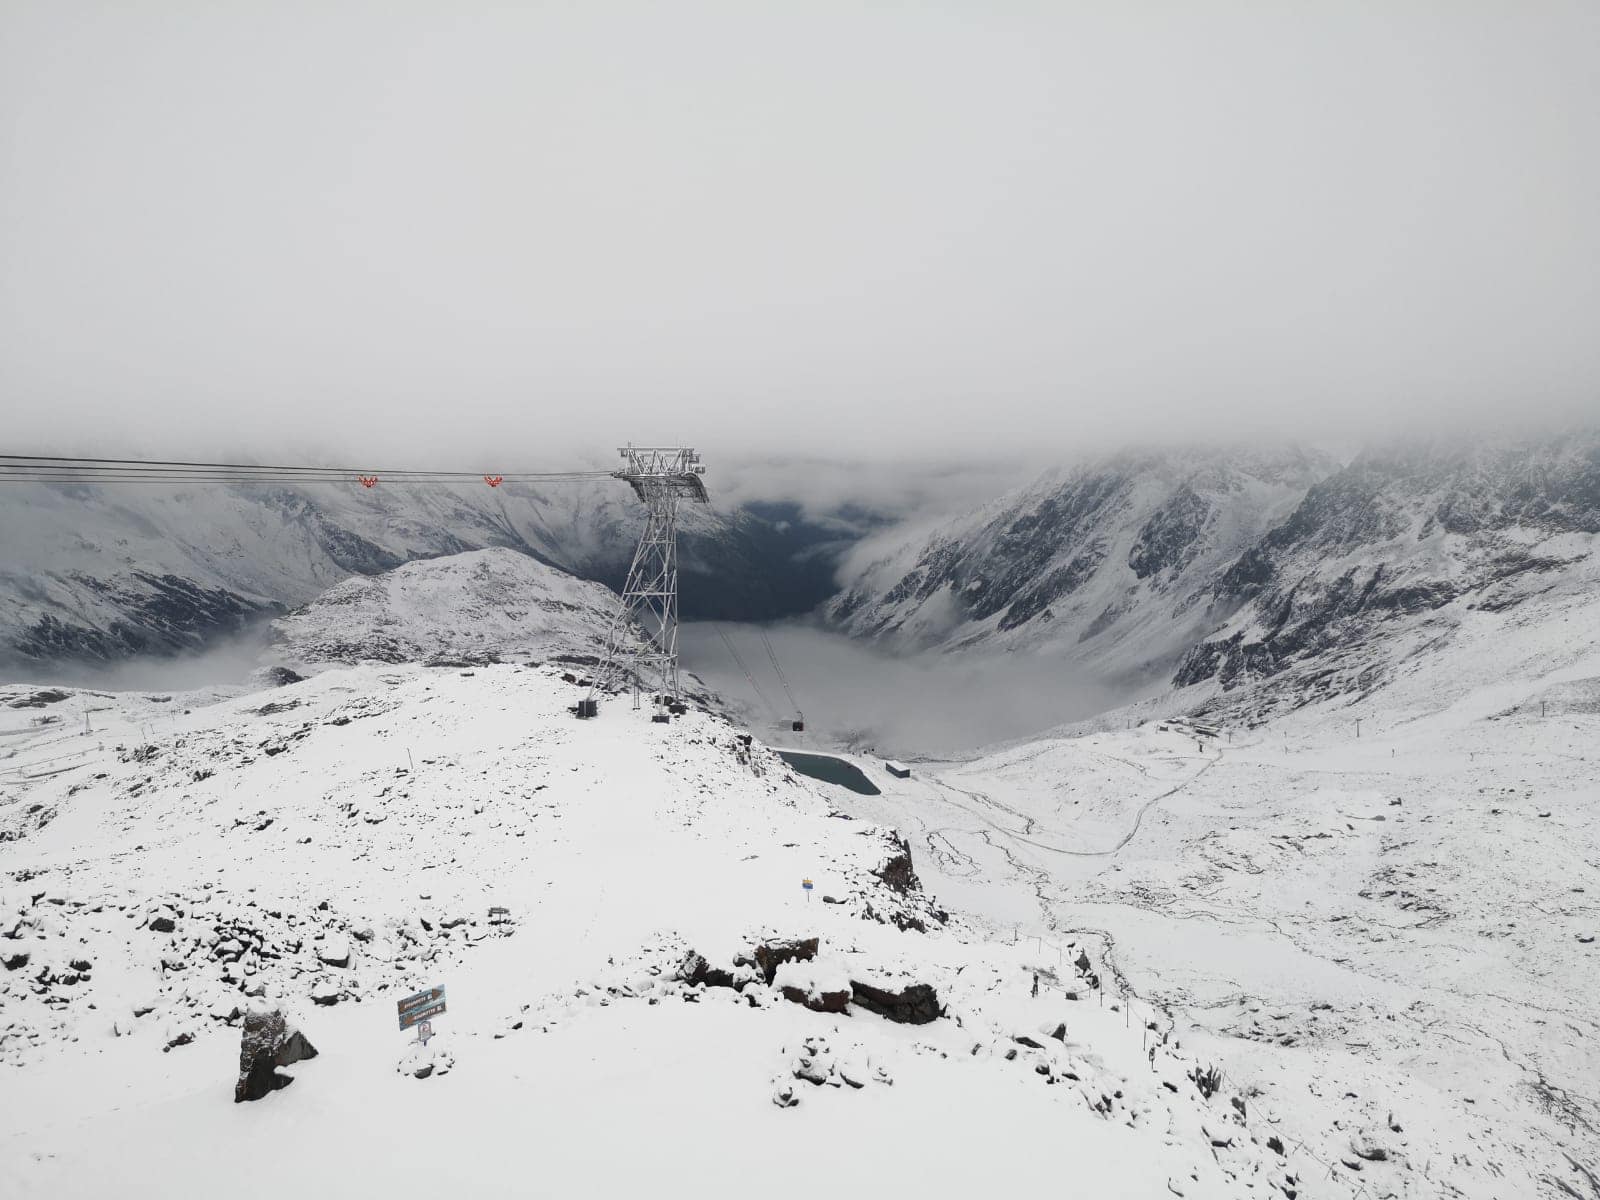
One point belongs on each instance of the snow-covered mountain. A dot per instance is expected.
(1111, 563)
(465, 608)
(107, 572)
(1246, 580)
(1386, 558)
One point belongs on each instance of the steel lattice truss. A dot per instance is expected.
(642, 648)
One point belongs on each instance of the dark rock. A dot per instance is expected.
(896, 872)
(1028, 1042)
(823, 1002)
(267, 1043)
(15, 962)
(183, 1039)
(769, 956)
(916, 1004)
(163, 925)
(697, 971)
(1060, 1033)
(40, 699)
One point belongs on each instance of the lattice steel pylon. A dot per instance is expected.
(642, 647)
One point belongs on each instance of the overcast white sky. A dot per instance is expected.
(421, 229)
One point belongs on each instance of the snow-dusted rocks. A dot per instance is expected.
(426, 1061)
(822, 987)
(268, 1041)
(816, 1063)
(334, 950)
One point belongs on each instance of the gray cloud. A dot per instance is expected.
(528, 230)
(855, 695)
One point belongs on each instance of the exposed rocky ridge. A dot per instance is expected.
(1110, 564)
(1389, 554)
(1233, 573)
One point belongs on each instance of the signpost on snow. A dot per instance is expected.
(806, 884)
(419, 1009)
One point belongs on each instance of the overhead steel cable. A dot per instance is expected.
(744, 670)
(39, 468)
(772, 657)
(49, 462)
(241, 477)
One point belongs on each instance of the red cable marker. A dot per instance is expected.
(367, 481)
(493, 480)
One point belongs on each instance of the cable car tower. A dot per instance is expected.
(642, 647)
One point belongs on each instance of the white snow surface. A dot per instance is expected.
(1377, 942)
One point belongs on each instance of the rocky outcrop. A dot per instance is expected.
(915, 1004)
(697, 971)
(1402, 539)
(769, 956)
(896, 873)
(1103, 561)
(268, 1042)
(818, 1001)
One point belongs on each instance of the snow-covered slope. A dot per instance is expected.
(1384, 907)
(469, 607)
(339, 842)
(1109, 564)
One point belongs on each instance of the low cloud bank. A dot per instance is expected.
(861, 698)
(223, 663)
